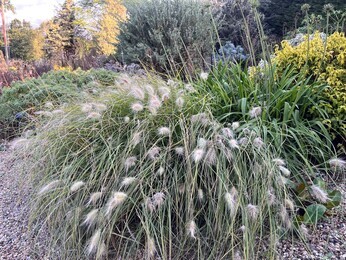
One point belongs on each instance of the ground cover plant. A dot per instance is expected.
(20, 101)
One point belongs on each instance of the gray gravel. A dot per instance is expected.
(16, 242)
(13, 202)
(325, 241)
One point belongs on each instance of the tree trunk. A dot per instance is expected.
(4, 29)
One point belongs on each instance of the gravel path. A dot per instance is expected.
(326, 241)
(13, 203)
(16, 243)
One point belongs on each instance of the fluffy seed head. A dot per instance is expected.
(246, 131)
(158, 198)
(200, 118)
(179, 102)
(289, 204)
(94, 115)
(50, 186)
(304, 230)
(337, 163)
(150, 89)
(279, 162)
(136, 139)
(94, 242)
(76, 186)
(231, 202)
(285, 218)
(154, 103)
(179, 150)
(242, 228)
(227, 132)
(271, 197)
(198, 155)
(151, 249)
(164, 91)
(137, 107)
(255, 112)
(90, 218)
(149, 204)
(211, 156)
(116, 200)
(127, 181)
(200, 194)
(164, 131)
(201, 143)
(282, 181)
(204, 75)
(161, 171)
(137, 92)
(58, 112)
(154, 152)
(191, 229)
(284, 171)
(243, 141)
(319, 194)
(86, 108)
(99, 107)
(130, 162)
(233, 143)
(252, 211)
(258, 142)
(94, 197)
(235, 125)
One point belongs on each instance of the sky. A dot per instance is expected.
(33, 11)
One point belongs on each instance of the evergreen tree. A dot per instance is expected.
(21, 37)
(60, 43)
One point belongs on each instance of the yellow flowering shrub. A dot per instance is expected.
(62, 68)
(324, 61)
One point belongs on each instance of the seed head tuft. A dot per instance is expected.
(76, 186)
(137, 107)
(198, 155)
(255, 112)
(252, 211)
(116, 200)
(130, 162)
(50, 186)
(191, 229)
(319, 194)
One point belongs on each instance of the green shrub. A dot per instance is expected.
(23, 98)
(168, 36)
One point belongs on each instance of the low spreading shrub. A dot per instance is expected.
(23, 98)
(168, 36)
(322, 59)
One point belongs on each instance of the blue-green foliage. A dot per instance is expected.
(230, 53)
